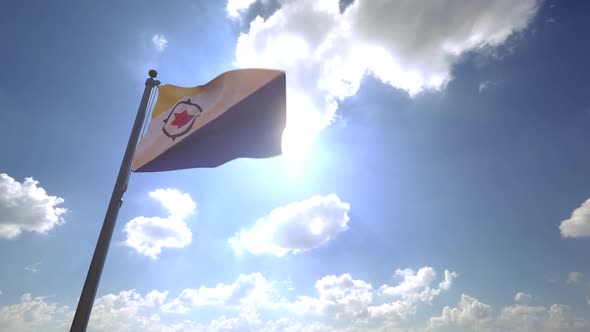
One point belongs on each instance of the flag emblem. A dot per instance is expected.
(181, 118)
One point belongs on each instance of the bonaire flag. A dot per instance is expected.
(239, 114)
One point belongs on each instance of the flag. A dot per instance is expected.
(239, 114)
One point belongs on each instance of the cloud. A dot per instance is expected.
(296, 227)
(407, 44)
(234, 7)
(160, 42)
(117, 312)
(485, 85)
(354, 302)
(127, 311)
(248, 290)
(470, 313)
(525, 316)
(25, 207)
(578, 224)
(473, 315)
(415, 287)
(288, 325)
(341, 297)
(242, 322)
(251, 303)
(179, 205)
(523, 298)
(148, 235)
(34, 268)
(575, 277)
(557, 317)
(32, 314)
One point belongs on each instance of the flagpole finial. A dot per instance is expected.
(153, 73)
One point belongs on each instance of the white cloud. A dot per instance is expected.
(575, 277)
(523, 298)
(416, 286)
(32, 314)
(160, 42)
(34, 268)
(341, 297)
(148, 235)
(179, 205)
(288, 325)
(473, 315)
(356, 304)
(25, 207)
(407, 44)
(127, 311)
(525, 317)
(483, 86)
(396, 311)
(578, 224)
(296, 227)
(247, 291)
(234, 7)
(251, 303)
(470, 313)
(243, 322)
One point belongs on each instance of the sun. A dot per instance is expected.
(304, 123)
(295, 145)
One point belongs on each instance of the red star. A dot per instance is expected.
(181, 119)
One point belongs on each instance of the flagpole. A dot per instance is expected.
(86, 301)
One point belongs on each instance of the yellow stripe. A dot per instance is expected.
(168, 96)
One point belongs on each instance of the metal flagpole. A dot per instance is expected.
(86, 301)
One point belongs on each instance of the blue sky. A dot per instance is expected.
(433, 153)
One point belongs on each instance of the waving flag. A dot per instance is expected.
(239, 114)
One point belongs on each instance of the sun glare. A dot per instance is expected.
(303, 125)
(295, 145)
(316, 226)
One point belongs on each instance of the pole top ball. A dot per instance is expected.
(153, 73)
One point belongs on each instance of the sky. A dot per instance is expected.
(434, 174)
